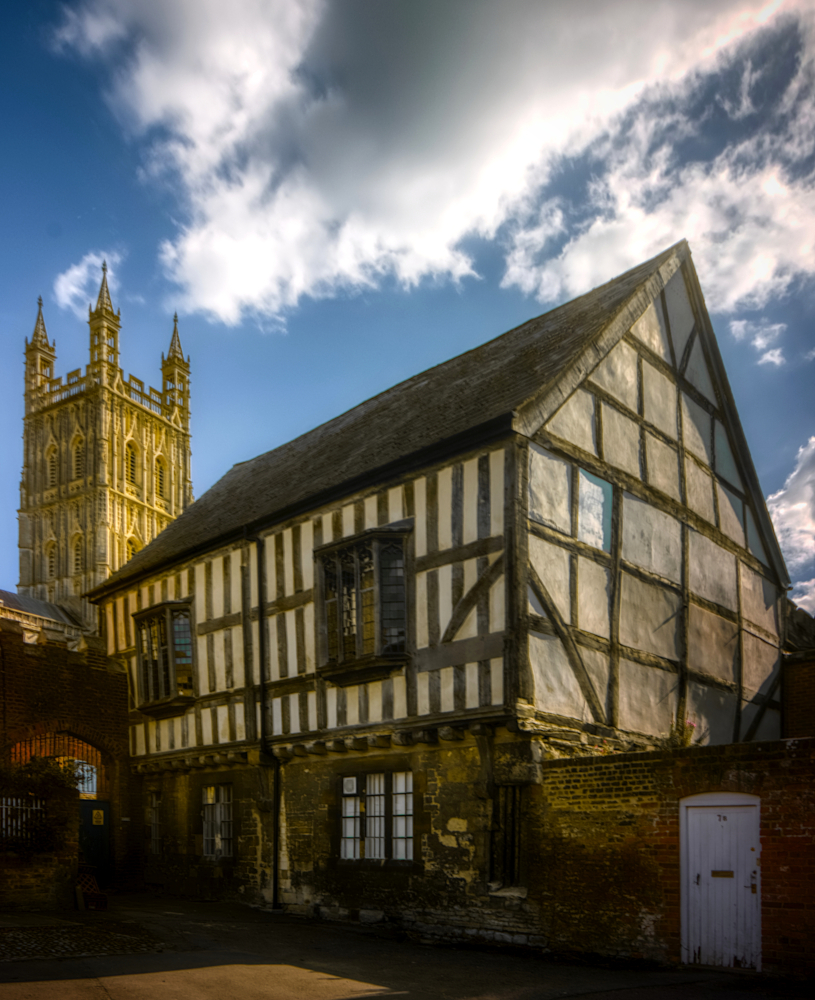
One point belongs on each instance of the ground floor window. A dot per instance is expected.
(505, 860)
(377, 816)
(217, 814)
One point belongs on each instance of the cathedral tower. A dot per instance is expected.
(106, 463)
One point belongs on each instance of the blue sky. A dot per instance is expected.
(334, 197)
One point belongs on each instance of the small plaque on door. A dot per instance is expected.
(98, 817)
(721, 874)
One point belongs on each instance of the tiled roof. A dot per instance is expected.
(473, 389)
(33, 606)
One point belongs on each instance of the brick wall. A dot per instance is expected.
(50, 689)
(605, 857)
(799, 695)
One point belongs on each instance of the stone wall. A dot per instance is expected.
(47, 688)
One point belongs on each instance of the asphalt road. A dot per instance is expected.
(215, 951)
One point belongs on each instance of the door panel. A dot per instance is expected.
(722, 885)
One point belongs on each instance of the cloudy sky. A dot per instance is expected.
(335, 196)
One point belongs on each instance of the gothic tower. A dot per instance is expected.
(106, 463)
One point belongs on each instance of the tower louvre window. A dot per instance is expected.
(160, 479)
(79, 459)
(78, 560)
(130, 464)
(51, 561)
(52, 468)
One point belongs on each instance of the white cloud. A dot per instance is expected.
(322, 147)
(793, 512)
(773, 357)
(761, 334)
(810, 355)
(804, 595)
(78, 286)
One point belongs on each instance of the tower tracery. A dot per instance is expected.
(105, 460)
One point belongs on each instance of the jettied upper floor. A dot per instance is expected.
(585, 545)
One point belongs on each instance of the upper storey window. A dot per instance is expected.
(165, 651)
(364, 606)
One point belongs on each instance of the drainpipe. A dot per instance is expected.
(259, 546)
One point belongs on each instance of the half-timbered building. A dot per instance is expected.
(350, 657)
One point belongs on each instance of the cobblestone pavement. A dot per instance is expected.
(74, 940)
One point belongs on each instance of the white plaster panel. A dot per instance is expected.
(552, 565)
(120, 622)
(713, 712)
(206, 726)
(348, 520)
(306, 555)
(277, 716)
(650, 617)
(621, 441)
(659, 399)
(217, 587)
(201, 663)
(294, 713)
(445, 596)
(754, 543)
(218, 660)
(761, 661)
(331, 707)
(469, 573)
(308, 622)
(235, 580)
(395, 506)
(421, 611)
(138, 733)
(470, 501)
(497, 681)
(497, 610)
(399, 697)
(594, 501)
(447, 701)
(574, 421)
(593, 591)
(352, 705)
(650, 330)
(597, 667)
(696, 429)
(697, 372)
(471, 685)
(535, 605)
(699, 490)
(328, 529)
(445, 501)
(651, 538)
(163, 732)
(111, 631)
(617, 374)
(291, 641)
(274, 659)
(371, 513)
(200, 593)
(550, 490)
(269, 547)
(712, 571)
(713, 644)
(240, 721)
(311, 700)
(648, 698)
(423, 693)
(469, 627)
(288, 560)
(420, 520)
(725, 461)
(731, 512)
(182, 593)
(759, 599)
(375, 701)
(555, 685)
(680, 314)
(497, 492)
(224, 736)
(663, 466)
(178, 729)
(253, 626)
(768, 729)
(152, 746)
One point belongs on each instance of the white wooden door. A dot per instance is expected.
(722, 891)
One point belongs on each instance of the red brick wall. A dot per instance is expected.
(605, 847)
(799, 698)
(50, 689)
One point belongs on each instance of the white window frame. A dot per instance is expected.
(377, 816)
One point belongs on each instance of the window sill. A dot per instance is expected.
(367, 668)
(167, 706)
